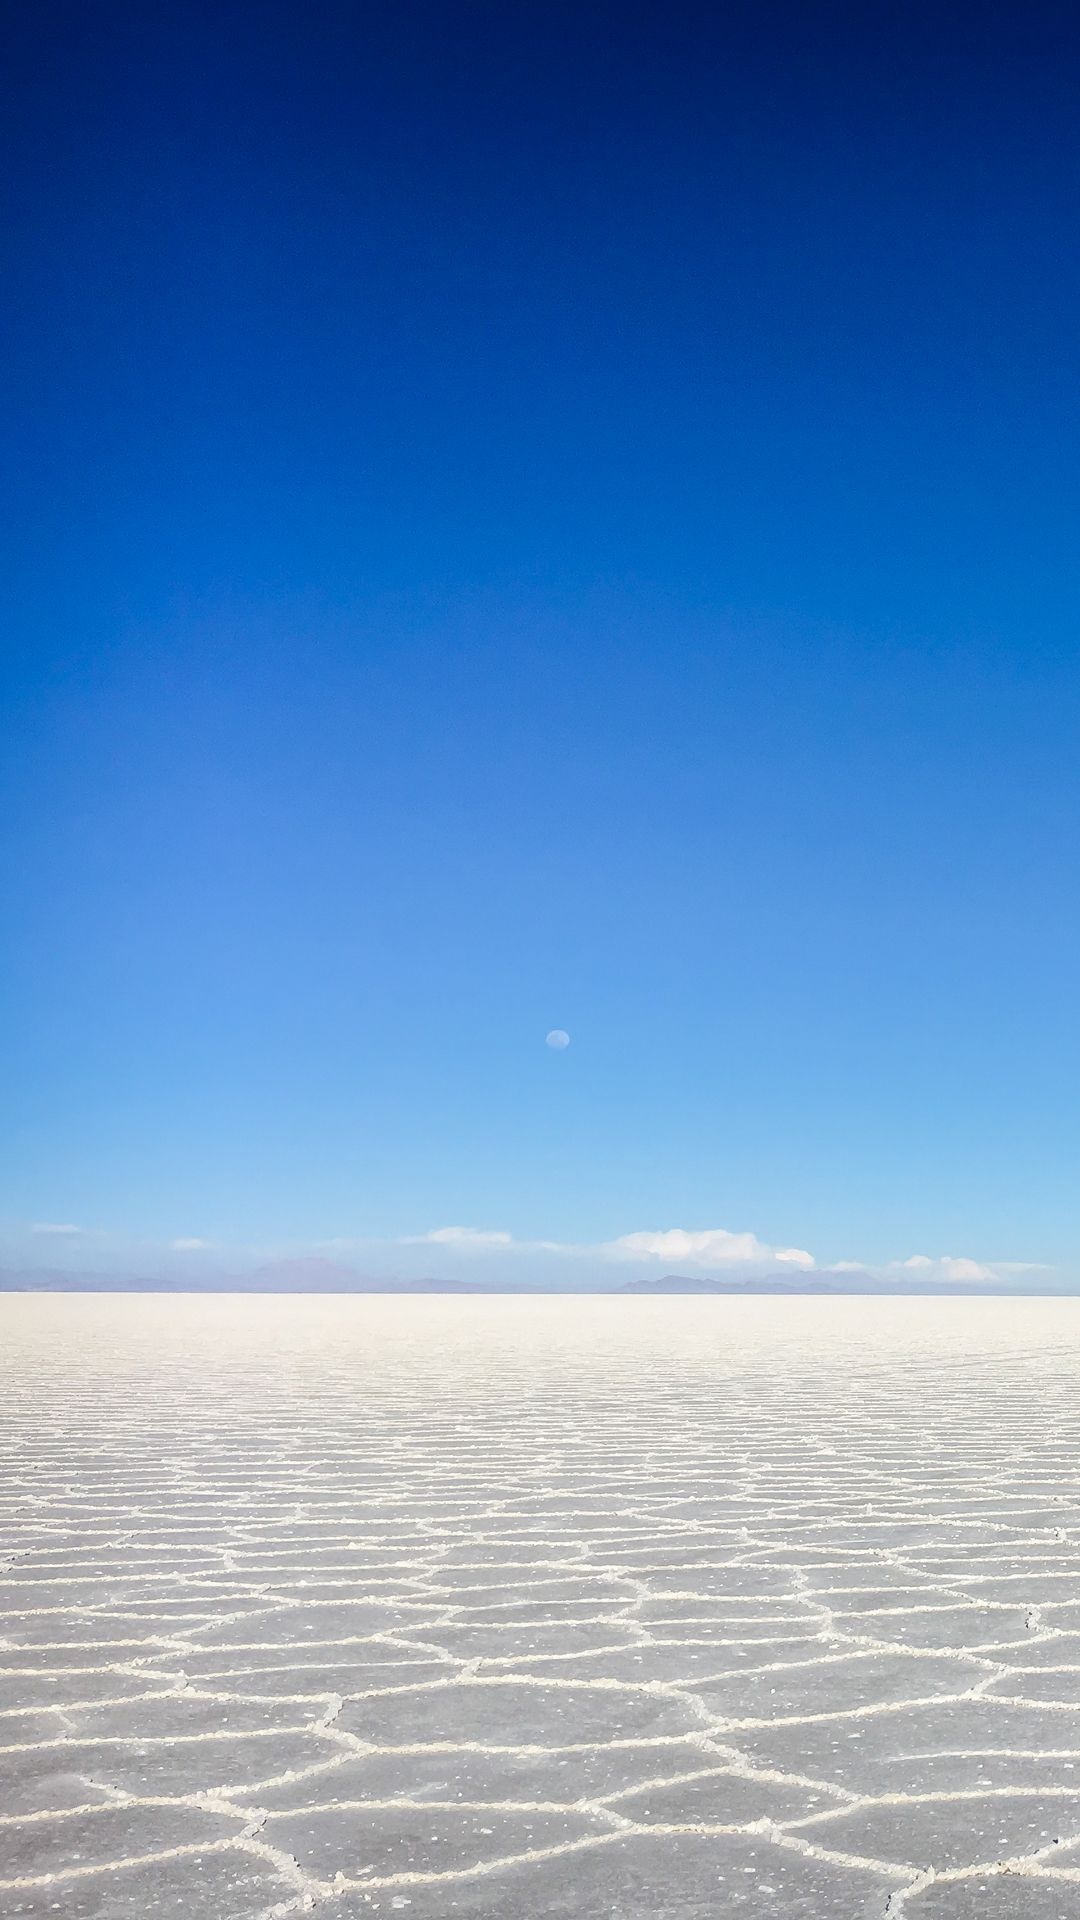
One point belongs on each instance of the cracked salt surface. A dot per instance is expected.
(470, 1609)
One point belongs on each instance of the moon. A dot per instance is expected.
(557, 1039)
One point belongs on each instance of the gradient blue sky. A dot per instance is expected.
(532, 517)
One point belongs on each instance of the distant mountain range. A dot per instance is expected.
(316, 1275)
(828, 1280)
(311, 1275)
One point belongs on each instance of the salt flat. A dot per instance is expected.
(546, 1607)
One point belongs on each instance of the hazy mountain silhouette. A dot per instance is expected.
(315, 1274)
(823, 1280)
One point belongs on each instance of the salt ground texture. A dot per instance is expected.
(508, 1609)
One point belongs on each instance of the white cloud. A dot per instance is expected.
(709, 1247)
(947, 1266)
(188, 1246)
(460, 1237)
(705, 1249)
(954, 1269)
(64, 1229)
(712, 1247)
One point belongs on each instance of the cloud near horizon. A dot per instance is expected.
(947, 1266)
(706, 1247)
(711, 1249)
(467, 1238)
(700, 1250)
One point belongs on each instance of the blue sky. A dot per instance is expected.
(542, 518)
